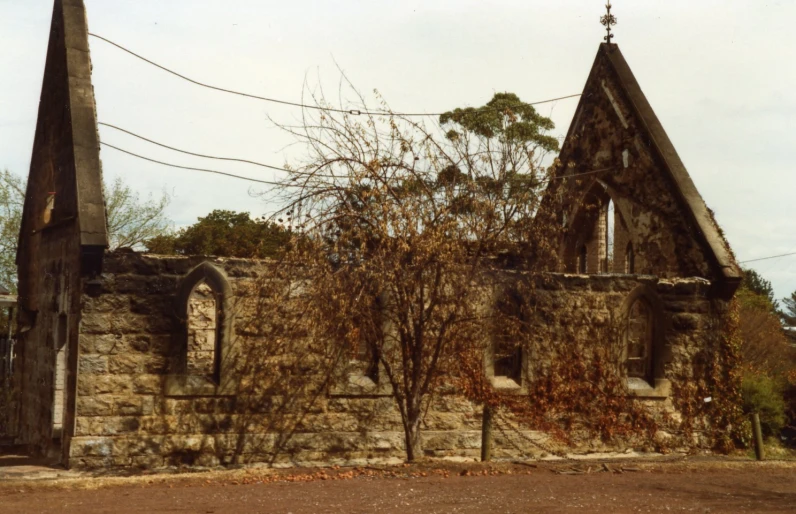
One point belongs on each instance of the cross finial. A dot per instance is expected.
(608, 20)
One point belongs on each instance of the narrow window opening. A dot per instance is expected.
(59, 379)
(202, 325)
(49, 205)
(609, 236)
(630, 259)
(366, 354)
(507, 347)
(7, 352)
(639, 341)
(582, 260)
(508, 362)
(601, 239)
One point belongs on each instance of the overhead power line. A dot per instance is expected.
(766, 258)
(231, 175)
(268, 166)
(298, 104)
(232, 159)
(277, 168)
(268, 182)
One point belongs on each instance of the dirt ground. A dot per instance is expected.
(628, 486)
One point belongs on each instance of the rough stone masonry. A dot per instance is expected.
(125, 416)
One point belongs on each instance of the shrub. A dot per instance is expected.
(764, 395)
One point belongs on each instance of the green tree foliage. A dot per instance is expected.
(510, 137)
(755, 283)
(225, 234)
(506, 118)
(12, 197)
(788, 312)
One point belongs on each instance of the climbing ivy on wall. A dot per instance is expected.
(709, 400)
(575, 388)
(578, 393)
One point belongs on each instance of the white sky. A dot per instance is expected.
(719, 74)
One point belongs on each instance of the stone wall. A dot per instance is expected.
(127, 416)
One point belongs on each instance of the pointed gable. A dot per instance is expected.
(622, 156)
(64, 210)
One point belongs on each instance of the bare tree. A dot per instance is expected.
(402, 218)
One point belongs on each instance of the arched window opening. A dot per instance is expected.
(202, 326)
(205, 353)
(582, 260)
(630, 259)
(639, 341)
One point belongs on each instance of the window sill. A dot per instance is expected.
(358, 384)
(640, 388)
(195, 385)
(506, 385)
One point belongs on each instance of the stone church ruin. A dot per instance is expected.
(134, 360)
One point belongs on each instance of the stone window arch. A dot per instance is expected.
(642, 336)
(203, 350)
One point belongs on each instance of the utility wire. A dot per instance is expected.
(296, 104)
(233, 159)
(277, 168)
(271, 183)
(581, 174)
(766, 258)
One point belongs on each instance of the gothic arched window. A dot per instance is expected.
(203, 344)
